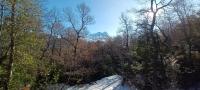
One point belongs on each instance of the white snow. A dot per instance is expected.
(108, 83)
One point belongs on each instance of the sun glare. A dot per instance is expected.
(151, 14)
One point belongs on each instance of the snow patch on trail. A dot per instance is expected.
(108, 83)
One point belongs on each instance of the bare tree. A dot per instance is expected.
(184, 10)
(52, 19)
(153, 45)
(155, 8)
(79, 24)
(126, 28)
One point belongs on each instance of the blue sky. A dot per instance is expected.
(105, 12)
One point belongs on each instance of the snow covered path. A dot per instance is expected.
(108, 83)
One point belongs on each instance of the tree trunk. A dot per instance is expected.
(1, 28)
(12, 45)
(127, 38)
(75, 48)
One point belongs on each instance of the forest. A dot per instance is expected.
(158, 50)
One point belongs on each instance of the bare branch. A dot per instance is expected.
(164, 5)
